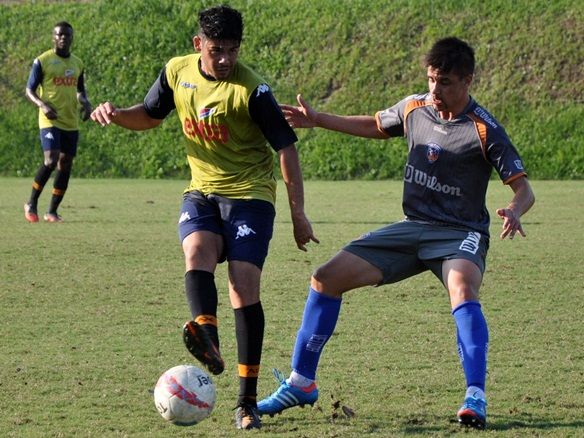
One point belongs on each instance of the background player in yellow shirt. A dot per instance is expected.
(56, 86)
(233, 125)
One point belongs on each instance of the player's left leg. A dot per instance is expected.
(344, 272)
(244, 294)
(59, 187)
(68, 150)
(463, 278)
(247, 228)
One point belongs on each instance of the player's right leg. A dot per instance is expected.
(343, 272)
(202, 247)
(50, 144)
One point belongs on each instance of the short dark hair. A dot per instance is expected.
(63, 24)
(221, 23)
(451, 55)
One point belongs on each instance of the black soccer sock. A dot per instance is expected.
(42, 176)
(201, 295)
(59, 188)
(249, 330)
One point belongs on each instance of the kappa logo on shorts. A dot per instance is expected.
(184, 216)
(471, 243)
(243, 230)
(49, 136)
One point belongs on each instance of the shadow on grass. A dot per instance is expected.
(502, 424)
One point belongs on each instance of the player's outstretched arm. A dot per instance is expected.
(520, 204)
(292, 176)
(135, 117)
(304, 116)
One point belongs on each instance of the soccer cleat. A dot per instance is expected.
(287, 396)
(30, 213)
(202, 347)
(473, 413)
(52, 217)
(247, 417)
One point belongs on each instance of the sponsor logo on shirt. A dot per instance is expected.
(439, 129)
(421, 178)
(485, 116)
(433, 152)
(65, 80)
(186, 84)
(206, 131)
(206, 112)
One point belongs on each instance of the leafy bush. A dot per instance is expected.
(344, 56)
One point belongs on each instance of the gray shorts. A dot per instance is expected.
(407, 248)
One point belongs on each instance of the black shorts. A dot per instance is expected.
(58, 139)
(246, 225)
(407, 248)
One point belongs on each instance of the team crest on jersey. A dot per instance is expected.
(433, 152)
(185, 84)
(206, 112)
(69, 72)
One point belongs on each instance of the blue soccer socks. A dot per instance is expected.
(473, 342)
(321, 313)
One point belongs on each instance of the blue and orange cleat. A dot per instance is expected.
(473, 413)
(287, 396)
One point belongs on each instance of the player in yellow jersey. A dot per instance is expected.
(56, 86)
(233, 125)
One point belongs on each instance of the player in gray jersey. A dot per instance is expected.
(454, 144)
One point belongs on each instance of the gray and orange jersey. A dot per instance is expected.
(450, 161)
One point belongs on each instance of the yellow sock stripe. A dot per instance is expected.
(206, 319)
(248, 370)
(36, 186)
(58, 192)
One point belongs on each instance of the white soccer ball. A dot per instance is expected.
(184, 395)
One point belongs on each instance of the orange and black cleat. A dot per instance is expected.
(202, 347)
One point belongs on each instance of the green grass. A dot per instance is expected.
(344, 56)
(92, 310)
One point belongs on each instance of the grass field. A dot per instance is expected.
(92, 310)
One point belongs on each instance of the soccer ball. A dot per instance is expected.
(184, 395)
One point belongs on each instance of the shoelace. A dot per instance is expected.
(476, 403)
(278, 375)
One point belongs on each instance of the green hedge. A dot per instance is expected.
(344, 56)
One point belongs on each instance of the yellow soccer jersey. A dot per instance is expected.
(227, 152)
(59, 89)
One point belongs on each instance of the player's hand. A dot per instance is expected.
(303, 233)
(104, 113)
(511, 223)
(303, 116)
(49, 112)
